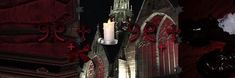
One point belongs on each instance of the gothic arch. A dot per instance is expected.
(95, 68)
(157, 47)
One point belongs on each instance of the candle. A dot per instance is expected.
(108, 31)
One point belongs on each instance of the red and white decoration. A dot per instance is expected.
(157, 48)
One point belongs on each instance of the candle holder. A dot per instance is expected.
(109, 34)
(105, 42)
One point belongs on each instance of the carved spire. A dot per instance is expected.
(121, 10)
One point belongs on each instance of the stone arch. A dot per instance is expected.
(157, 48)
(95, 68)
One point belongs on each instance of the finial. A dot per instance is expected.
(131, 7)
(97, 26)
(98, 30)
(111, 7)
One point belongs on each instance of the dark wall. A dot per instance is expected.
(97, 12)
(202, 14)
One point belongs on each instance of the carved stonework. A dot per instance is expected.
(157, 49)
(151, 6)
(100, 67)
(141, 53)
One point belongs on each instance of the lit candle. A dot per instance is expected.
(108, 31)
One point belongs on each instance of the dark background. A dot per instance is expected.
(203, 14)
(97, 12)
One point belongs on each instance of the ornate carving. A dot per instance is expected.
(91, 70)
(82, 31)
(159, 30)
(71, 46)
(53, 30)
(134, 29)
(99, 67)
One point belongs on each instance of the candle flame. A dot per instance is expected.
(109, 21)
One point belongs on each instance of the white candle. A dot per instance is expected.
(108, 31)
